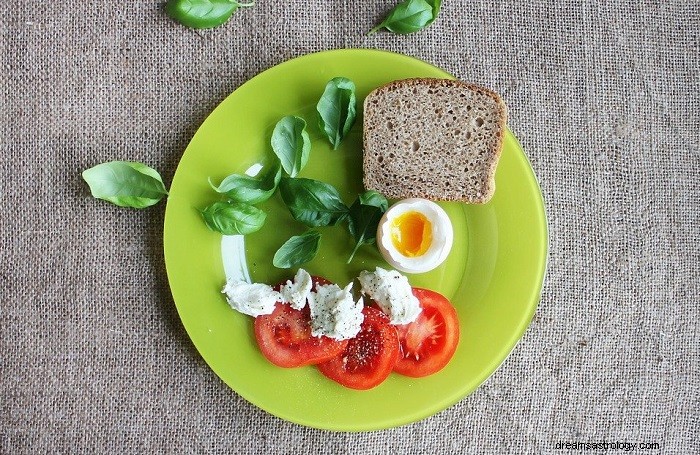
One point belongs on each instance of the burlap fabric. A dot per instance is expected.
(604, 97)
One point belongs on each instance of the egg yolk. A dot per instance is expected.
(411, 234)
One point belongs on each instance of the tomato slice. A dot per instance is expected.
(285, 339)
(368, 358)
(429, 342)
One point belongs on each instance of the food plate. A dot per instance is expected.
(493, 275)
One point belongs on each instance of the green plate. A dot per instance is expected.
(493, 275)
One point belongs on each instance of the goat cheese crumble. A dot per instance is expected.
(393, 294)
(334, 313)
(252, 299)
(295, 293)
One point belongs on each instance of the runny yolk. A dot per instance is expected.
(411, 234)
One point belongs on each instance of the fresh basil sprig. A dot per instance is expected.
(313, 202)
(297, 250)
(233, 218)
(203, 13)
(337, 109)
(251, 190)
(410, 16)
(291, 144)
(125, 183)
(365, 214)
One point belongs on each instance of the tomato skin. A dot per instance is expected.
(368, 358)
(285, 339)
(429, 342)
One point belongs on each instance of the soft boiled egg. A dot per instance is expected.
(415, 235)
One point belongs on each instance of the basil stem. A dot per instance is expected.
(125, 183)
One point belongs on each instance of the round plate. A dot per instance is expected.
(493, 275)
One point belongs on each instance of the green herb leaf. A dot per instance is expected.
(337, 109)
(313, 202)
(291, 144)
(365, 214)
(231, 219)
(373, 199)
(125, 183)
(203, 13)
(409, 16)
(251, 190)
(297, 250)
(436, 4)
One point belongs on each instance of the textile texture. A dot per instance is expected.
(604, 97)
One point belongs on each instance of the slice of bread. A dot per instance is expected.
(436, 139)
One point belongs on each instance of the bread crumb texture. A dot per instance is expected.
(437, 139)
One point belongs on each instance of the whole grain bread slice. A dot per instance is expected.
(437, 139)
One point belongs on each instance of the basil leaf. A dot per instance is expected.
(436, 4)
(374, 199)
(313, 202)
(365, 214)
(297, 250)
(203, 13)
(337, 109)
(231, 219)
(409, 16)
(291, 144)
(251, 190)
(125, 183)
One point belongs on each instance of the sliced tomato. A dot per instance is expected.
(285, 338)
(429, 342)
(368, 358)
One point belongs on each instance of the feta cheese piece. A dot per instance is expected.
(252, 299)
(393, 294)
(296, 293)
(334, 313)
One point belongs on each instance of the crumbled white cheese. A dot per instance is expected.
(252, 299)
(295, 293)
(334, 313)
(393, 294)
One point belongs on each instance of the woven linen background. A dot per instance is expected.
(603, 95)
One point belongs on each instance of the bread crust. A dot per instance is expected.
(409, 86)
